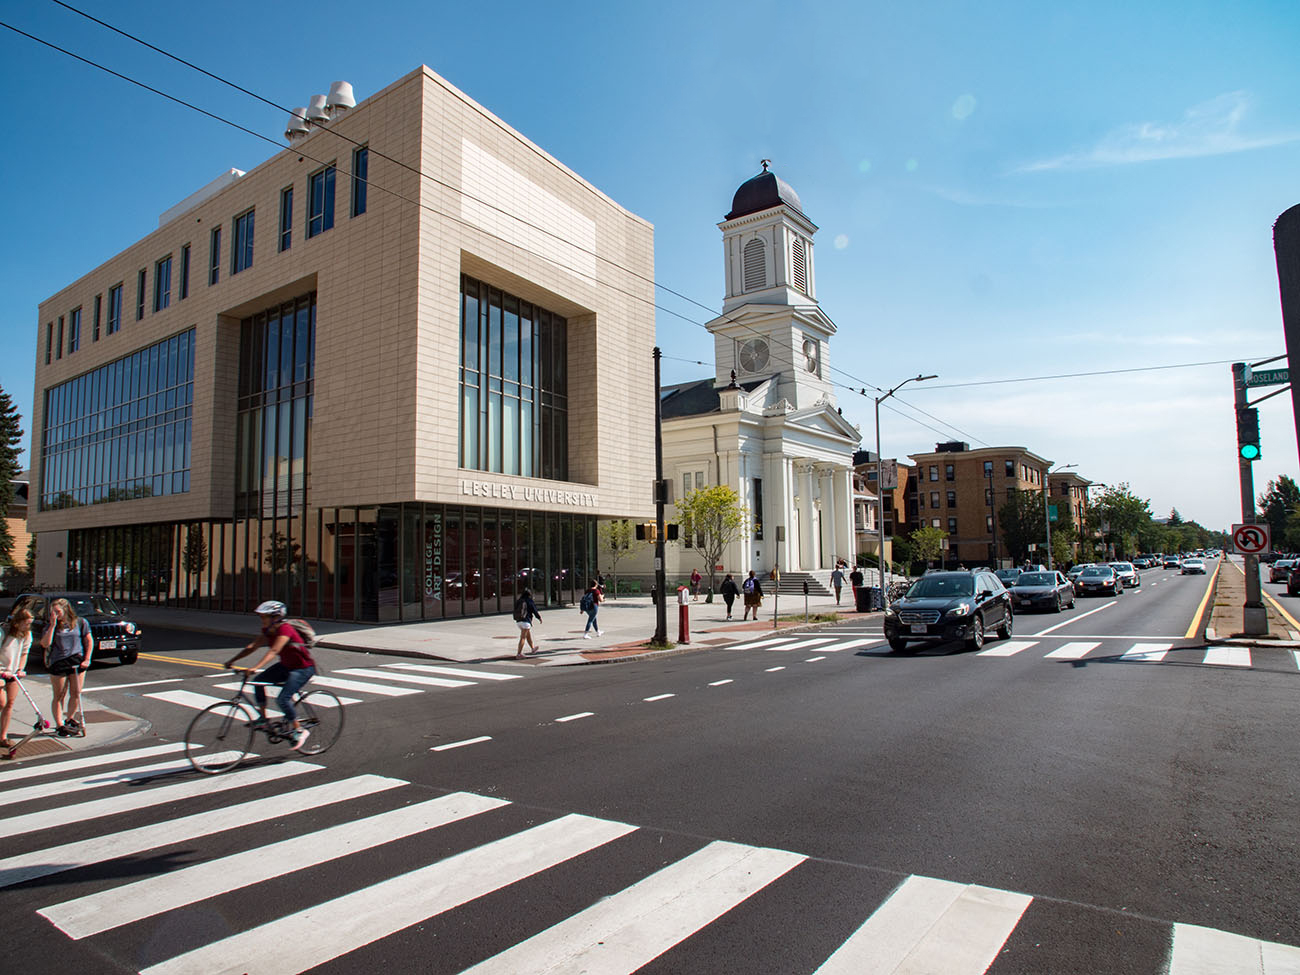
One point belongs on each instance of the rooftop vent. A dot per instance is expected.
(340, 98)
(316, 110)
(297, 127)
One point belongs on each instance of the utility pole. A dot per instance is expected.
(1255, 615)
(661, 496)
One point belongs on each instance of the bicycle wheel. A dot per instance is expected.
(321, 714)
(219, 737)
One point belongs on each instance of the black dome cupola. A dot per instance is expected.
(763, 192)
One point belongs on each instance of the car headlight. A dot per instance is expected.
(891, 609)
(130, 628)
(961, 609)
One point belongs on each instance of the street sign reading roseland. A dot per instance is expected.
(1267, 377)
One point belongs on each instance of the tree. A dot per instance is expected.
(616, 540)
(11, 438)
(927, 543)
(1021, 521)
(714, 518)
(194, 556)
(1174, 517)
(1277, 503)
(1119, 515)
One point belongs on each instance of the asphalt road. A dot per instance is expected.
(748, 809)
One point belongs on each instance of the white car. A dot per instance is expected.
(1193, 566)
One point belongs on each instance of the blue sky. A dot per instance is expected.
(1004, 190)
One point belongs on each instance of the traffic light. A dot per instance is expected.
(1248, 433)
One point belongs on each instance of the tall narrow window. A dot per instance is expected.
(185, 272)
(360, 167)
(114, 308)
(757, 513)
(162, 284)
(214, 256)
(58, 348)
(800, 265)
(241, 243)
(320, 201)
(49, 342)
(99, 305)
(74, 330)
(755, 260)
(139, 295)
(286, 218)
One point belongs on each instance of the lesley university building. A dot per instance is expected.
(397, 371)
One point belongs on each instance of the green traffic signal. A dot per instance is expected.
(1248, 433)
(1250, 451)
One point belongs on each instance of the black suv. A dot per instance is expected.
(114, 634)
(949, 606)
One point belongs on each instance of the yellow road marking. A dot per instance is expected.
(1200, 610)
(1278, 606)
(184, 660)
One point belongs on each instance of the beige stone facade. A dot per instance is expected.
(451, 190)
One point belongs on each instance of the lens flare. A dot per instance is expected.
(963, 107)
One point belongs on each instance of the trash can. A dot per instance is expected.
(862, 598)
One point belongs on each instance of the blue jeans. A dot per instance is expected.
(291, 682)
(591, 619)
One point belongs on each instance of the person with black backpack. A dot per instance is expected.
(590, 604)
(291, 671)
(525, 613)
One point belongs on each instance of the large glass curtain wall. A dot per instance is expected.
(121, 431)
(385, 563)
(514, 382)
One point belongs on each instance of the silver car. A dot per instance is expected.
(1127, 572)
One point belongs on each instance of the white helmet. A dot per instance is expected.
(272, 607)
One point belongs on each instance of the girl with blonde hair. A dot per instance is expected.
(68, 648)
(15, 644)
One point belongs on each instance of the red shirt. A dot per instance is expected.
(294, 654)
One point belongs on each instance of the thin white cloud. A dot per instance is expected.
(1212, 128)
(968, 198)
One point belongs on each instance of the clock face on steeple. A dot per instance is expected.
(754, 355)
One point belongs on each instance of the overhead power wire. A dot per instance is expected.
(1078, 375)
(423, 175)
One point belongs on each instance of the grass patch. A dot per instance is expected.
(811, 618)
(667, 645)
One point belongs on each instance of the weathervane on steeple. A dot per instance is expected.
(765, 163)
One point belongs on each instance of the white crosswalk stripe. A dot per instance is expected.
(90, 761)
(1145, 652)
(1228, 656)
(1006, 648)
(424, 679)
(925, 924)
(454, 672)
(1073, 651)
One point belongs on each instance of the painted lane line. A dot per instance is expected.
(309, 938)
(461, 744)
(1072, 619)
(773, 670)
(1202, 951)
(145, 683)
(811, 660)
(807, 644)
(454, 671)
(144, 798)
(1140, 652)
(719, 683)
(930, 925)
(271, 692)
(164, 832)
(1073, 651)
(1227, 656)
(658, 697)
(65, 787)
(1296, 655)
(407, 678)
(575, 717)
(760, 643)
(108, 909)
(77, 764)
(1293, 634)
(625, 932)
(1007, 649)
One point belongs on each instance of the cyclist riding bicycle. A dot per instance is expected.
(294, 668)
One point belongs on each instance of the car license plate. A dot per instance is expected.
(1024, 602)
(919, 627)
(108, 644)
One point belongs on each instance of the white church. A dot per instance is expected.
(766, 424)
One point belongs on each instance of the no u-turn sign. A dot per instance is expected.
(1250, 539)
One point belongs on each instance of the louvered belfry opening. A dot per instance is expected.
(755, 266)
(800, 266)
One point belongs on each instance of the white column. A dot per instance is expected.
(832, 517)
(844, 497)
(808, 521)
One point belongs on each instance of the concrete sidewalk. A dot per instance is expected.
(1227, 617)
(104, 726)
(627, 625)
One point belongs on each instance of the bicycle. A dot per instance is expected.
(221, 734)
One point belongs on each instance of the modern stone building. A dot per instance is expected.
(396, 371)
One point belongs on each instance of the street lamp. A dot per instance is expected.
(880, 490)
(1047, 513)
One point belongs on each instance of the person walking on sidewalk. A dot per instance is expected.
(590, 604)
(69, 646)
(753, 595)
(15, 646)
(525, 613)
(291, 671)
(837, 581)
(729, 591)
(696, 579)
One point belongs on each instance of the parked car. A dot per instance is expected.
(1279, 570)
(1171, 562)
(1042, 590)
(950, 606)
(1193, 567)
(114, 633)
(1293, 581)
(1101, 579)
(1128, 572)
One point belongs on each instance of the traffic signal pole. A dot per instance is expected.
(1254, 613)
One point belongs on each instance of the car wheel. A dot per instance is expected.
(897, 645)
(1008, 621)
(128, 658)
(1056, 605)
(976, 639)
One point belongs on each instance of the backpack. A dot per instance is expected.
(749, 585)
(306, 633)
(521, 613)
(588, 602)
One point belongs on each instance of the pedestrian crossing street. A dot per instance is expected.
(1124, 649)
(196, 875)
(352, 685)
